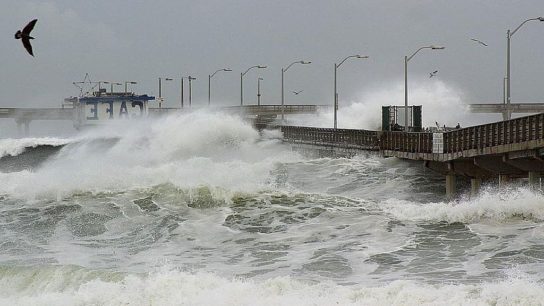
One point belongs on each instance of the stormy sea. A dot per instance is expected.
(203, 209)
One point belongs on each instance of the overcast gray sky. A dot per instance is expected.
(141, 40)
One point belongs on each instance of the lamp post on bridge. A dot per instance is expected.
(160, 90)
(242, 82)
(210, 76)
(336, 66)
(129, 82)
(509, 35)
(190, 78)
(283, 70)
(406, 60)
(111, 85)
(100, 83)
(259, 91)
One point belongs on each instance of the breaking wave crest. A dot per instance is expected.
(490, 204)
(189, 151)
(71, 285)
(14, 147)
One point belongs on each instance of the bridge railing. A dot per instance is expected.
(407, 142)
(495, 134)
(274, 108)
(345, 138)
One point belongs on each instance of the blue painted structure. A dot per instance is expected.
(102, 107)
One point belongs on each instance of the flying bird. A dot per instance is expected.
(297, 92)
(25, 37)
(479, 41)
(433, 73)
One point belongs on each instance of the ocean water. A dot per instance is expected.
(202, 209)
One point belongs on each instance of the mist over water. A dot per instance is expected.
(441, 103)
(202, 209)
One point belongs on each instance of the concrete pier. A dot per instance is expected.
(475, 185)
(534, 179)
(450, 186)
(504, 180)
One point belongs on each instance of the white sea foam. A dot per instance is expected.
(491, 204)
(216, 150)
(14, 147)
(62, 286)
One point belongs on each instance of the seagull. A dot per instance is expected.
(297, 92)
(25, 36)
(433, 73)
(479, 41)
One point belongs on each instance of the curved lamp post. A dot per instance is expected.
(509, 35)
(129, 82)
(259, 91)
(406, 60)
(283, 70)
(336, 66)
(160, 90)
(242, 82)
(111, 85)
(190, 78)
(100, 84)
(210, 76)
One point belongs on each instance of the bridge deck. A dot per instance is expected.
(251, 109)
(513, 148)
(28, 114)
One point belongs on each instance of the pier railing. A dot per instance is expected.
(514, 134)
(345, 138)
(508, 132)
(407, 142)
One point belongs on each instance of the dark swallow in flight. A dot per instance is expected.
(25, 36)
(433, 73)
(297, 92)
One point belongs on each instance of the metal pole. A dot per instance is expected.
(335, 98)
(241, 89)
(125, 88)
(190, 92)
(282, 97)
(406, 93)
(209, 88)
(182, 92)
(160, 96)
(508, 115)
(259, 91)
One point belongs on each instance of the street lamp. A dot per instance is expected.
(160, 90)
(129, 82)
(283, 70)
(259, 91)
(111, 86)
(406, 59)
(336, 66)
(210, 80)
(509, 35)
(242, 82)
(99, 84)
(182, 98)
(190, 78)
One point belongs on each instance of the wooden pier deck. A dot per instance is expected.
(506, 149)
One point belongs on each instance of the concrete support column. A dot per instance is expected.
(504, 180)
(534, 179)
(450, 186)
(475, 184)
